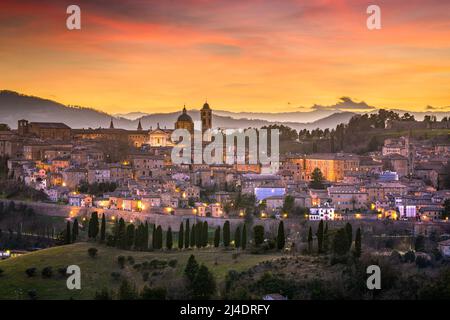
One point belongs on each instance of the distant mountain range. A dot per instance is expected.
(15, 106)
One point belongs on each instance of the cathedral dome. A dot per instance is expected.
(184, 117)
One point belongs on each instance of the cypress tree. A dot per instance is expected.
(95, 227)
(191, 268)
(181, 236)
(146, 236)
(226, 234)
(155, 237)
(121, 234)
(192, 239)
(205, 234)
(130, 235)
(358, 250)
(310, 240)
(67, 238)
(320, 237)
(349, 231)
(217, 237)
(340, 242)
(138, 234)
(244, 237)
(116, 233)
(90, 228)
(187, 238)
(204, 285)
(258, 235)
(237, 238)
(159, 237)
(199, 234)
(280, 236)
(326, 239)
(154, 240)
(75, 230)
(169, 239)
(103, 229)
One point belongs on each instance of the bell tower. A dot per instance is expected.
(206, 117)
(22, 127)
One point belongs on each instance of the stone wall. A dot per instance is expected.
(164, 220)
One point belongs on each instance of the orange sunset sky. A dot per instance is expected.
(246, 55)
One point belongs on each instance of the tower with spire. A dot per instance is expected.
(139, 125)
(111, 124)
(206, 117)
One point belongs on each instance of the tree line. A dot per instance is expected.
(131, 237)
(340, 244)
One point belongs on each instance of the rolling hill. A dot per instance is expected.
(96, 272)
(15, 106)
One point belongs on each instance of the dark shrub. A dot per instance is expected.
(121, 261)
(145, 276)
(62, 271)
(419, 243)
(422, 262)
(92, 252)
(115, 275)
(130, 260)
(32, 294)
(157, 264)
(31, 272)
(110, 241)
(153, 293)
(102, 295)
(271, 243)
(409, 256)
(437, 255)
(173, 263)
(47, 272)
(258, 235)
(395, 256)
(137, 266)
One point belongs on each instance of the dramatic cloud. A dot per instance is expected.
(431, 108)
(344, 104)
(255, 55)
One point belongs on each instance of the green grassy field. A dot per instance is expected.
(96, 272)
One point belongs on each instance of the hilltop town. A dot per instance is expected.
(379, 183)
(131, 170)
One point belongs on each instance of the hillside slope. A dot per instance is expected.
(96, 272)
